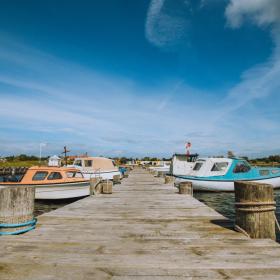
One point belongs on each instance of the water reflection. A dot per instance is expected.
(44, 206)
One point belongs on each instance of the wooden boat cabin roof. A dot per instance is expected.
(101, 163)
(47, 175)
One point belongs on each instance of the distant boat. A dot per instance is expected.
(219, 174)
(182, 164)
(94, 167)
(51, 182)
(164, 167)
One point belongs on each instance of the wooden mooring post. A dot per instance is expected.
(168, 179)
(160, 174)
(95, 186)
(16, 208)
(107, 187)
(125, 174)
(255, 209)
(116, 179)
(186, 188)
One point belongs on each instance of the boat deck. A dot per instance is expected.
(144, 230)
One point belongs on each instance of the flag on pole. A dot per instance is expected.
(188, 146)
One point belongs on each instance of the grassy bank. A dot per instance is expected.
(20, 163)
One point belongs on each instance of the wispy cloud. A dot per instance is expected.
(261, 80)
(260, 12)
(167, 27)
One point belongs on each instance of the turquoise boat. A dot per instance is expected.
(219, 174)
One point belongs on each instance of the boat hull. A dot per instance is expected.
(223, 186)
(105, 175)
(60, 190)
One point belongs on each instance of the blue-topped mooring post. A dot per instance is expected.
(16, 209)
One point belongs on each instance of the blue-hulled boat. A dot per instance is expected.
(219, 174)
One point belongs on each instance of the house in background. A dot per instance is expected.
(54, 161)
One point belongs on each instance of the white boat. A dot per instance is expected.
(182, 164)
(219, 174)
(164, 167)
(51, 182)
(96, 167)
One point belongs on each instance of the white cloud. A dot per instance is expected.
(261, 12)
(165, 27)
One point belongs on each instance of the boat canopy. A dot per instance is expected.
(96, 163)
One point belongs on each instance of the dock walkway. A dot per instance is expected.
(144, 230)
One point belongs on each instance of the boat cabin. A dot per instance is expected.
(230, 169)
(95, 163)
(46, 175)
(182, 164)
(205, 167)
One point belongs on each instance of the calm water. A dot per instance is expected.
(44, 206)
(224, 204)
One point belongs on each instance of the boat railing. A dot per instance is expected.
(98, 172)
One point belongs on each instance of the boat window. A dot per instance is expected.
(264, 172)
(274, 171)
(78, 162)
(219, 166)
(79, 175)
(241, 167)
(88, 163)
(197, 166)
(40, 175)
(73, 174)
(55, 176)
(70, 174)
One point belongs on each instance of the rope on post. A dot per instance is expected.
(31, 224)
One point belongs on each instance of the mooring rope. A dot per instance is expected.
(31, 224)
(239, 229)
(276, 222)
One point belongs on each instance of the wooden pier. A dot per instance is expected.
(144, 230)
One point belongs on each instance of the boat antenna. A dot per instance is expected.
(65, 151)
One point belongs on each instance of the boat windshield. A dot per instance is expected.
(55, 176)
(74, 174)
(78, 162)
(241, 167)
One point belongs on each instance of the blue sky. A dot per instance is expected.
(135, 78)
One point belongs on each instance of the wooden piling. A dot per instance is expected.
(16, 206)
(107, 187)
(161, 174)
(116, 179)
(255, 209)
(186, 188)
(168, 179)
(95, 186)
